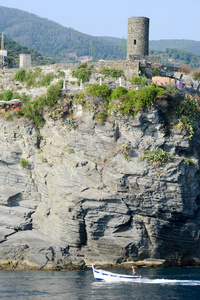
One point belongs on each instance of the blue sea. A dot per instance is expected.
(162, 283)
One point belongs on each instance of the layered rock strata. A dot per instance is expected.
(79, 201)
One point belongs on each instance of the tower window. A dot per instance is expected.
(134, 42)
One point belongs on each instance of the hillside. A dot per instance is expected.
(172, 52)
(187, 45)
(68, 45)
(177, 57)
(52, 39)
(162, 45)
(14, 49)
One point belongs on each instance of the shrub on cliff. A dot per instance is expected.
(118, 93)
(100, 91)
(82, 72)
(34, 78)
(20, 75)
(126, 151)
(138, 100)
(101, 116)
(137, 80)
(35, 110)
(7, 95)
(24, 163)
(188, 111)
(54, 93)
(156, 157)
(46, 80)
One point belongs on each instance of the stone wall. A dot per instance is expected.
(138, 36)
(130, 68)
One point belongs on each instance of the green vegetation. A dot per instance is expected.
(139, 100)
(20, 75)
(9, 118)
(96, 90)
(34, 78)
(177, 57)
(188, 111)
(101, 116)
(60, 74)
(118, 92)
(196, 74)
(43, 35)
(82, 72)
(137, 80)
(160, 46)
(54, 93)
(92, 51)
(46, 80)
(156, 72)
(156, 157)
(123, 46)
(71, 150)
(185, 45)
(14, 49)
(24, 163)
(35, 110)
(189, 161)
(8, 95)
(114, 73)
(54, 40)
(126, 151)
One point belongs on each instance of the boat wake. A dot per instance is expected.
(153, 281)
(169, 281)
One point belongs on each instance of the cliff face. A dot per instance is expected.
(80, 200)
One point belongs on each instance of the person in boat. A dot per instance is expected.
(133, 268)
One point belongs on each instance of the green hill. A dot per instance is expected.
(162, 45)
(52, 39)
(14, 49)
(187, 45)
(172, 52)
(67, 45)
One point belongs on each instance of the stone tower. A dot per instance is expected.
(138, 37)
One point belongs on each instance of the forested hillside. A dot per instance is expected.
(162, 45)
(68, 45)
(176, 57)
(187, 45)
(51, 39)
(172, 52)
(14, 49)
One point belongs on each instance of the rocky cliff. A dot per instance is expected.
(79, 201)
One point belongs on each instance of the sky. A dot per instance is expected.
(169, 19)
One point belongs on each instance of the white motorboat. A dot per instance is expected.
(101, 275)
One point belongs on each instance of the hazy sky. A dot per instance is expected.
(169, 19)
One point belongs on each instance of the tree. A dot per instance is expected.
(92, 51)
(123, 46)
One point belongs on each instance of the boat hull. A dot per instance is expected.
(101, 275)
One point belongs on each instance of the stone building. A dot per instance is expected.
(24, 60)
(138, 37)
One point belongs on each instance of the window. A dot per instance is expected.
(134, 42)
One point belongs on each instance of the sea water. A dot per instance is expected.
(162, 283)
